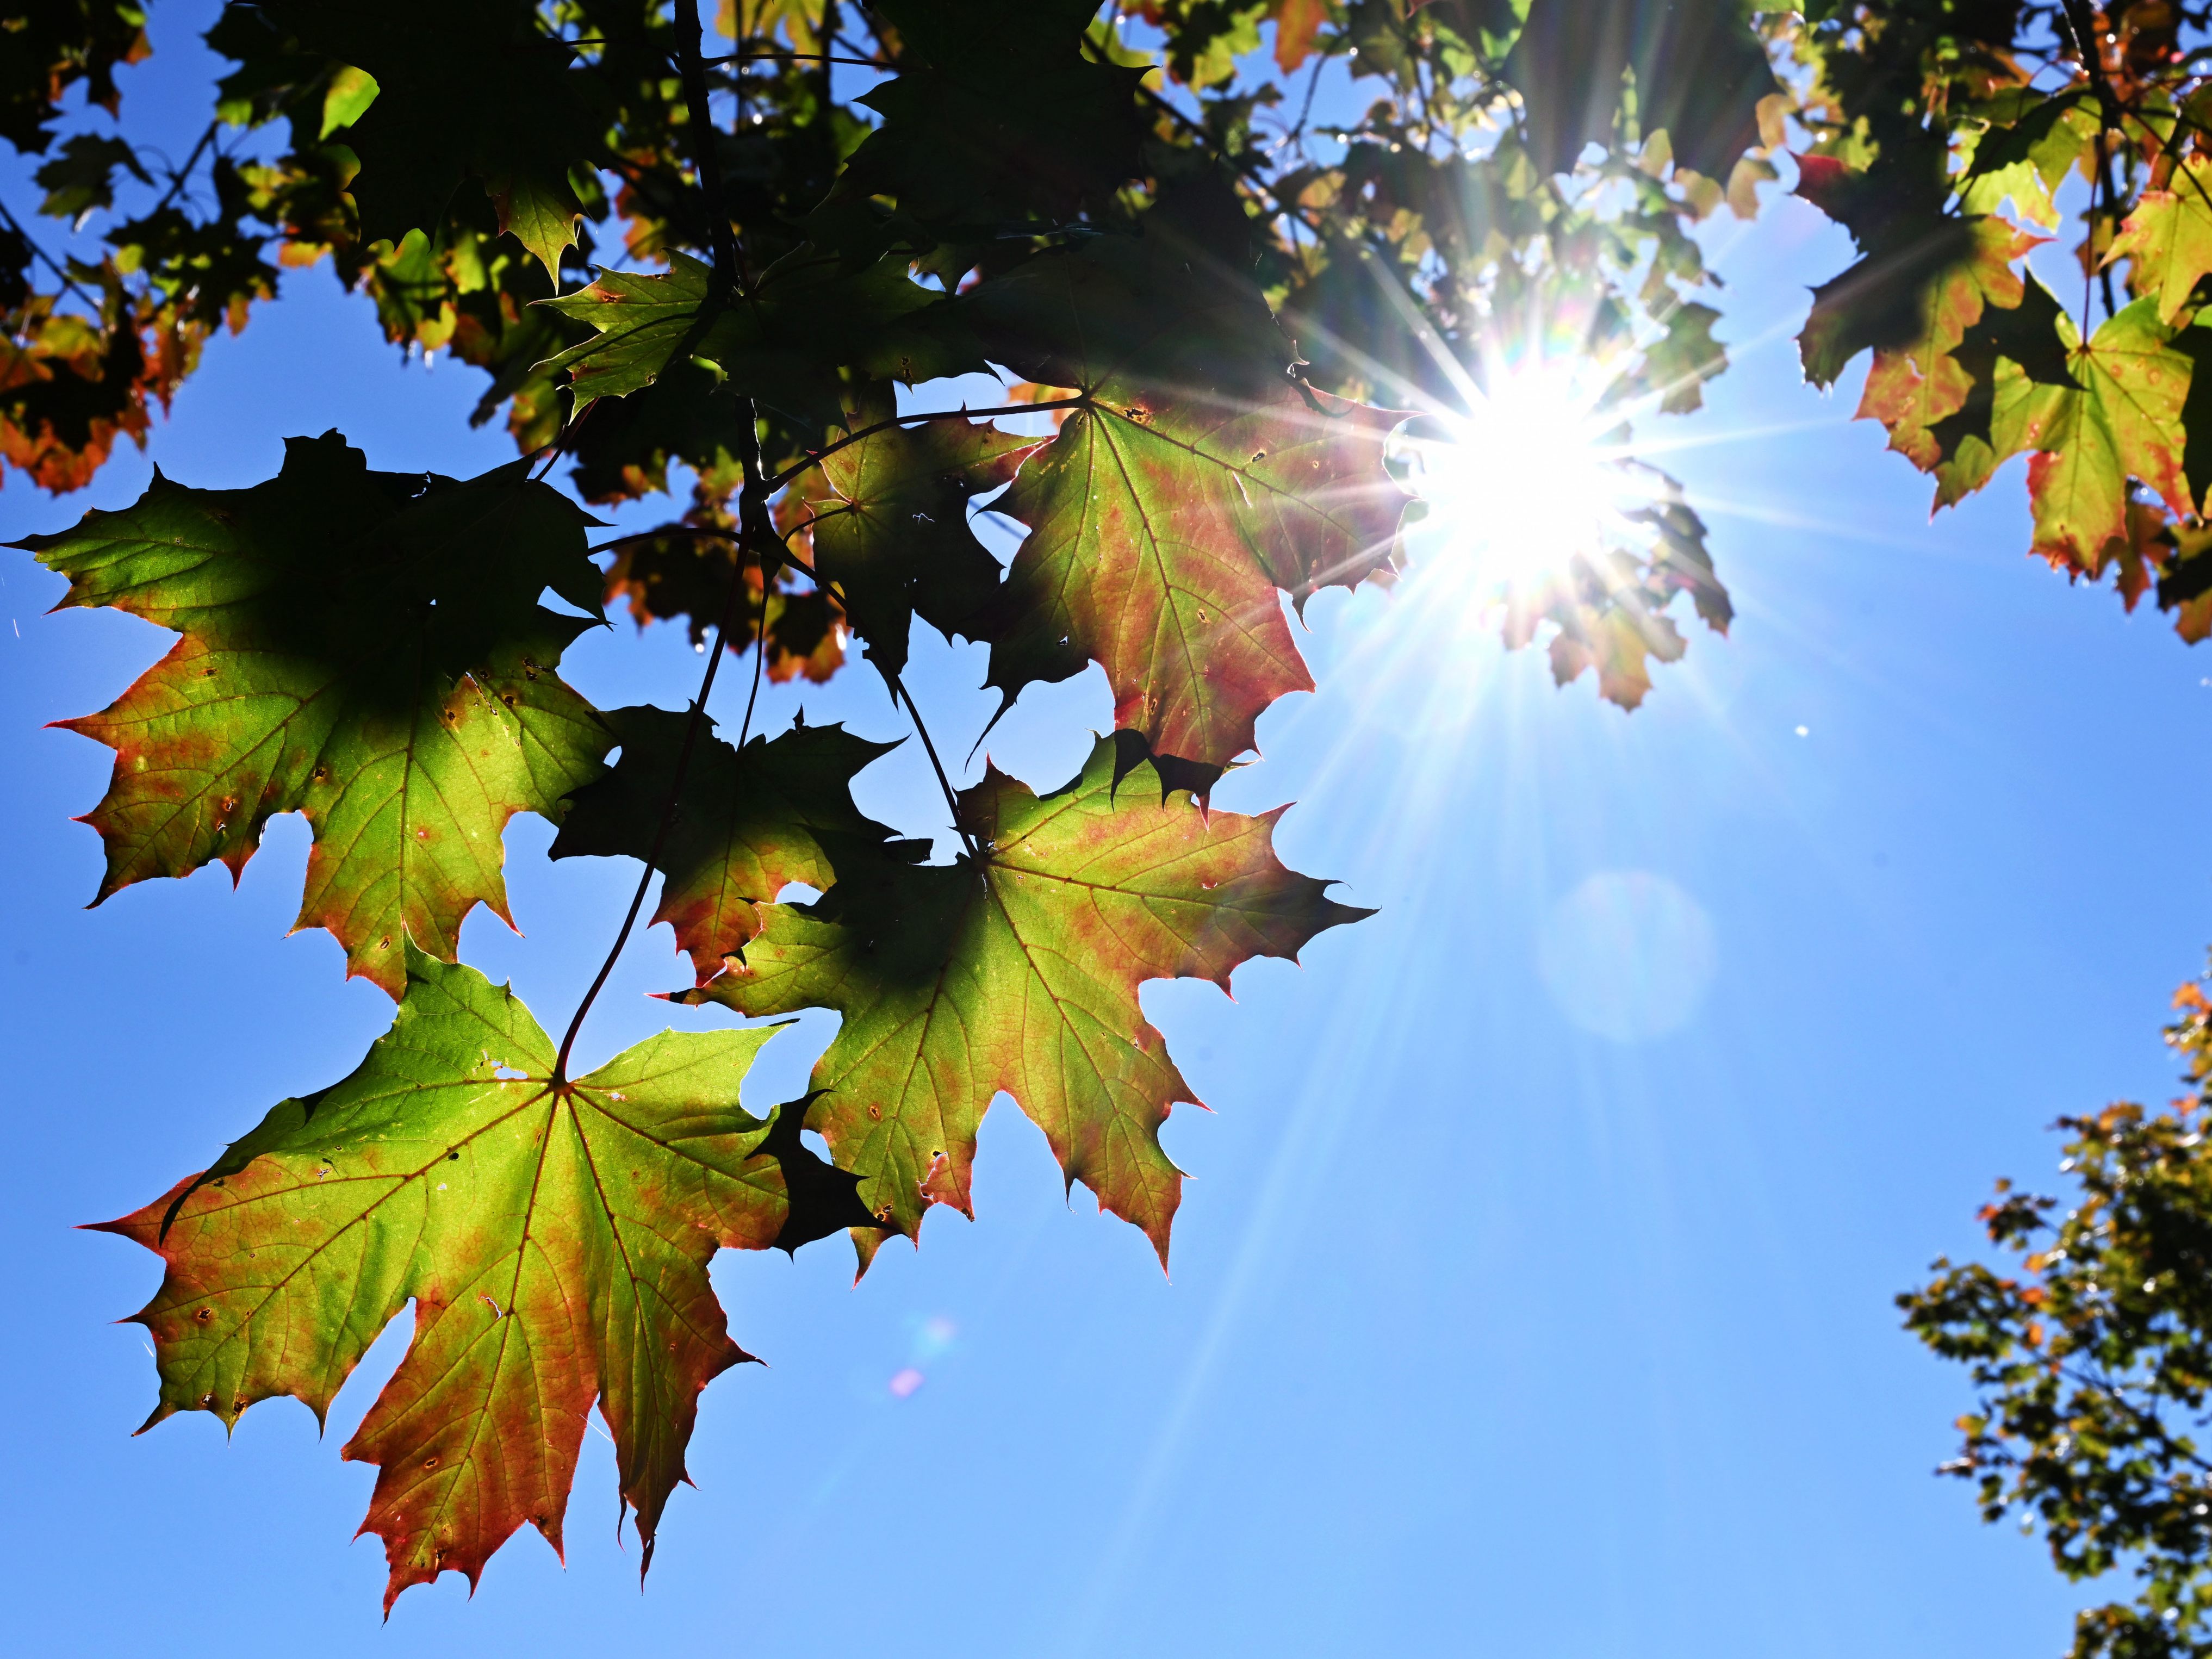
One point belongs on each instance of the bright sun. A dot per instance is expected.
(1533, 473)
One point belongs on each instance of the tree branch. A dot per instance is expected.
(728, 262)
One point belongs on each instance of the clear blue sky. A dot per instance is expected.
(1489, 1333)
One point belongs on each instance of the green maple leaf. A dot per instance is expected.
(554, 1241)
(2169, 237)
(2126, 422)
(1197, 479)
(748, 824)
(2004, 357)
(888, 515)
(1678, 365)
(472, 92)
(1017, 970)
(2024, 159)
(365, 648)
(784, 342)
(82, 177)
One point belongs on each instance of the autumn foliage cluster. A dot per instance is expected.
(728, 255)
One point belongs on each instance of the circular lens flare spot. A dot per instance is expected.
(1628, 956)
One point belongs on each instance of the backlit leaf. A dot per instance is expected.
(997, 114)
(1198, 478)
(2169, 238)
(748, 824)
(2124, 422)
(365, 648)
(887, 516)
(1018, 971)
(554, 1242)
(470, 94)
(783, 343)
(673, 574)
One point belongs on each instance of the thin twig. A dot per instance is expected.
(775, 54)
(177, 178)
(797, 469)
(69, 282)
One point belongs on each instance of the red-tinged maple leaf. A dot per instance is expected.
(674, 573)
(2141, 554)
(2169, 238)
(554, 1239)
(1916, 300)
(1197, 479)
(1909, 401)
(1915, 387)
(1017, 969)
(364, 648)
(1296, 24)
(747, 824)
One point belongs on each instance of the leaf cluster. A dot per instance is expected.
(2092, 1353)
(734, 266)
(1945, 139)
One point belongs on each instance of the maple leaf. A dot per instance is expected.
(1197, 478)
(1914, 387)
(45, 50)
(2126, 422)
(749, 823)
(2025, 160)
(2003, 356)
(1920, 299)
(472, 92)
(888, 515)
(82, 177)
(799, 20)
(1017, 969)
(2169, 238)
(997, 113)
(783, 343)
(1680, 363)
(1296, 24)
(365, 648)
(554, 1239)
(1699, 73)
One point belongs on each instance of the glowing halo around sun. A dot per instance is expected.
(1533, 474)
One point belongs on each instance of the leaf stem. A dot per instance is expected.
(944, 783)
(691, 730)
